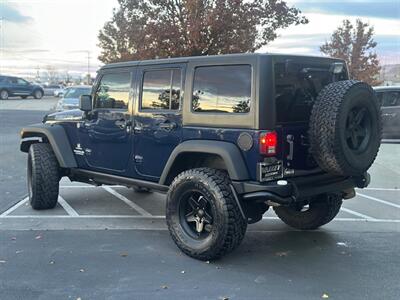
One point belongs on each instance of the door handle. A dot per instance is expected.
(168, 126)
(122, 123)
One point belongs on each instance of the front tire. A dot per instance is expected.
(314, 213)
(203, 217)
(38, 94)
(43, 177)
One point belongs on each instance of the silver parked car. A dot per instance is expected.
(70, 99)
(389, 97)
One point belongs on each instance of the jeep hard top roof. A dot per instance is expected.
(211, 58)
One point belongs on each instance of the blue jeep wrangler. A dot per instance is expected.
(226, 137)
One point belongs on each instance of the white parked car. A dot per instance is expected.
(70, 100)
(49, 89)
(59, 92)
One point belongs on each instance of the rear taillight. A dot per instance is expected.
(268, 143)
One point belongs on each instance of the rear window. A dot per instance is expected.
(388, 99)
(77, 92)
(222, 89)
(297, 86)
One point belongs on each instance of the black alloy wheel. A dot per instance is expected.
(358, 129)
(195, 214)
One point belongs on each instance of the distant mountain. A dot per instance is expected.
(390, 74)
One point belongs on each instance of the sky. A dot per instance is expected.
(35, 34)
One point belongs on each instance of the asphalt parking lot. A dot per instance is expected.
(112, 243)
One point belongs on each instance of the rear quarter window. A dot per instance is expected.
(222, 89)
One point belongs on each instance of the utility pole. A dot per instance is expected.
(38, 73)
(88, 67)
(1, 43)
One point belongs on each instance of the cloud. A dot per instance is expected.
(10, 14)
(387, 9)
(306, 39)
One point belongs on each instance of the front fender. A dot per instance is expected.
(53, 134)
(229, 153)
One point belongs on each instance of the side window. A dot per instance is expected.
(22, 82)
(113, 91)
(391, 99)
(13, 80)
(161, 90)
(222, 89)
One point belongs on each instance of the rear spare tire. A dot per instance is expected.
(345, 128)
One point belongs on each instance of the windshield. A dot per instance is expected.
(76, 92)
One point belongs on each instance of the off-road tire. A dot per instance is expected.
(322, 210)
(229, 226)
(43, 177)
(4, 94)
(329, 134)
(38, 94)
(141, 190)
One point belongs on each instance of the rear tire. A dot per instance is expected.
(4, 94)
(322, 209)
(203, 217)
(43, 177)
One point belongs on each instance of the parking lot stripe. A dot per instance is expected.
(351, 220)
(163, 217)
(11, 209)
(83, 217)
(68, 208)
(379, 200)
(380, 189)
(356, 213)
(85, 186)
(127, 201)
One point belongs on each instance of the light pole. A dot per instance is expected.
(88, 67)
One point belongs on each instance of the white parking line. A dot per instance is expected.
(351, 220)
(127, 201)
(163, 217)
(356, 213)
(11, 209)
(379, 200)
(380, 189)
(83, 217)
(85, 186)
(68, 208)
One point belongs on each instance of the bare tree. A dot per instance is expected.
(355, 44)
(52, 74)
(145, 29)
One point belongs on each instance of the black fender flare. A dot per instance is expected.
(56, 137)
(228, 152)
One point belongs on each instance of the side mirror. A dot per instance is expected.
(85, 103)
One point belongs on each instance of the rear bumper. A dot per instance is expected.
(286, 192)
